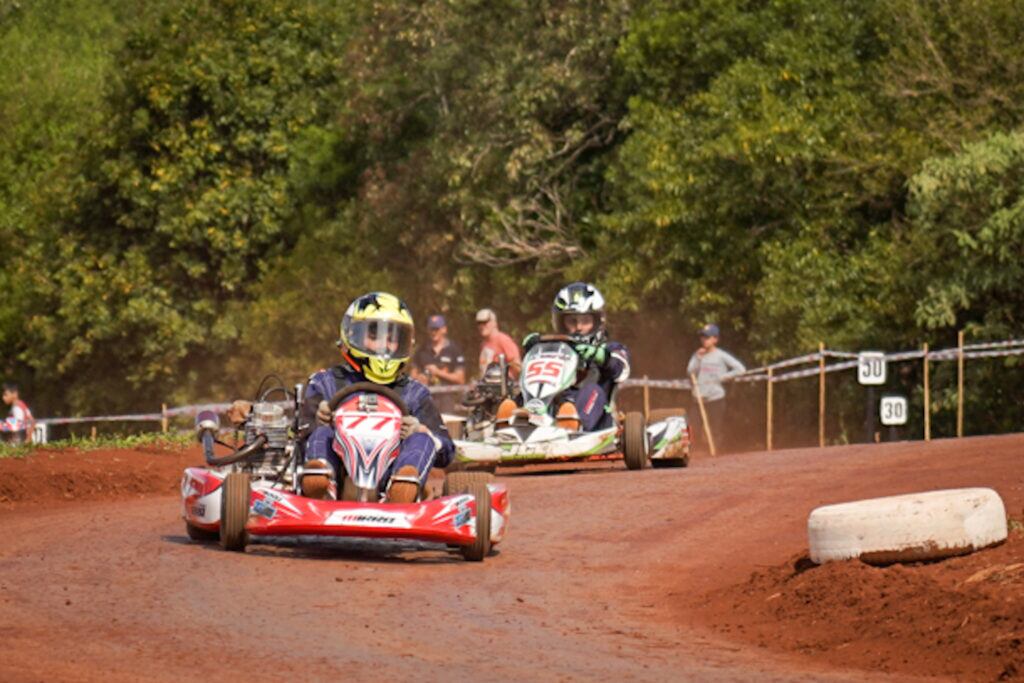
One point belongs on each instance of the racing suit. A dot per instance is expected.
(423, 451)
(593, 395)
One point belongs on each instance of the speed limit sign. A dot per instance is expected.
(893, 410)
(871, 368)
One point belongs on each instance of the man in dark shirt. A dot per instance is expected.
(439, 362)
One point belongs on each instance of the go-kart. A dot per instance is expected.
(255, 491)
(532, 434)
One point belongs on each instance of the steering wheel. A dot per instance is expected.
(368, 388)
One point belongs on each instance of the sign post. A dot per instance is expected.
(893, 411)
(871, 372)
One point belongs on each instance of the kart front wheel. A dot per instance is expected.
(634, 441)
(234, 511)
(475, 484)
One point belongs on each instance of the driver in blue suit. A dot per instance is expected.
(376, 342)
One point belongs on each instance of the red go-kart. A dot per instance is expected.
(255, 490)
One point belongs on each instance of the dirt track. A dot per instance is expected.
(605, 574)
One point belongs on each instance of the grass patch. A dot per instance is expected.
(80, 443)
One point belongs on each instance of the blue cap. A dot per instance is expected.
(709, 330)
(436, 322)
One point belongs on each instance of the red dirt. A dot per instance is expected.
(605, 574)
(962, 617)
(70, 475)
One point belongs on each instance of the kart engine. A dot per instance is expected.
(270, 421)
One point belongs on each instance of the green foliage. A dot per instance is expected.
(197, 189)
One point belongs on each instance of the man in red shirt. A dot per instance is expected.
(18, 427)
(496, 343)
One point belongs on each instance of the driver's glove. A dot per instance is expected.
(410, 425)
(323, 413)
(530, 339)
(596, 353)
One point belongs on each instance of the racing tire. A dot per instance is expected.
(909, 528)
(200, 535)
(461, 481)
(481, 545)
(634, 441)
(234, 511)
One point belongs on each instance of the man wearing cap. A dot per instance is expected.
(439, 362)
(712, 366)
(495, 343)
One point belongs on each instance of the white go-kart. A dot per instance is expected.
(532, 434)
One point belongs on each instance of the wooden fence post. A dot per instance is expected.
(647, 400)
(163, 417)
(927, 399)
(821, 394)
(768, 427)
(92, 433)
(960, 384)
(703, 415)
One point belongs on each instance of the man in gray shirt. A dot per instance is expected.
(712, 366)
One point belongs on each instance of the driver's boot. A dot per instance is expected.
(405, 485)
(568, 417)
(315, 485)
(505, 410)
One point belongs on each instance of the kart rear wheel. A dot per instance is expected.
(234, 511)
(459, 482)
(200, 535)
(634, 441)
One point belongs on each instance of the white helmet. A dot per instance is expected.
(579, 299)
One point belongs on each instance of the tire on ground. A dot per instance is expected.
(908, 528)
(475, 484)
(234, 511)
(634, 441)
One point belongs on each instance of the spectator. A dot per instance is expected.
(495, 343)
(439, 362)
(712, 366)
(18, 427)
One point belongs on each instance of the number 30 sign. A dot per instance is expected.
(871, 368)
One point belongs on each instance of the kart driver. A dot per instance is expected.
(376, 342)
(578, 311)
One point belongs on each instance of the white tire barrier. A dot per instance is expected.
(910, 528)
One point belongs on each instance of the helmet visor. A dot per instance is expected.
(582, 324)
(380, 338)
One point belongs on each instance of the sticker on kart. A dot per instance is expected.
(372, 518)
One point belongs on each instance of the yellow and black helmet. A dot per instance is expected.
(377, 333)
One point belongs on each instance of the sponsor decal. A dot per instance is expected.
(264, 508)
(462, 515)
(368, 518)
(198, 510)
